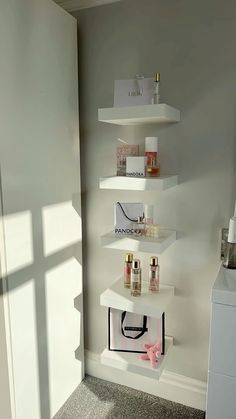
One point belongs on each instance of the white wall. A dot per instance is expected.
(39, 158)
(6, 388)
(191, 44)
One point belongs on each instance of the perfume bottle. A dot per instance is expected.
(230, 249)
(151, 152)
(154, 270)
(152, 230)
(127, 269)
(156, 88)
(136, 278)
(148, 214)
(139, 227)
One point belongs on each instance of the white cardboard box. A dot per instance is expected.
(136, 166)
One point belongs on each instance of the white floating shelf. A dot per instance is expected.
(136, 115)
(152, 304)
(130, 362)
(139, 244)
(137, 183)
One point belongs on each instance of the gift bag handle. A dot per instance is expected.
(144, 327)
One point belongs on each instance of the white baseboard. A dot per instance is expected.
(171, 386)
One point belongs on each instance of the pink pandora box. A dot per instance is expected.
(123, 151)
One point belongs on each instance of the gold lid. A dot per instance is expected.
(154, 261)
(157, 76)
(136, 264)
(129, 257)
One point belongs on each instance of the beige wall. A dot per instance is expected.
(39, 160)
(192, 45)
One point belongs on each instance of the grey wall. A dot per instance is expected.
(192, 45)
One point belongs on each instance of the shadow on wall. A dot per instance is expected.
(42, 252)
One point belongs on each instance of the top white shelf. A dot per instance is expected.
(138, 115)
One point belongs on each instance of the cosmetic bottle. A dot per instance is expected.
(127, 269)
(156, 88)
(136, 278)
(154, 274)
(151, 152)
(122, 152)
(139, 227)
(230, 248)
(152, 230)
(148, 214)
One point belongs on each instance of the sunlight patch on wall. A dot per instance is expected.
(61, 227)
(63, 284)
(18, 240)
(24, 349)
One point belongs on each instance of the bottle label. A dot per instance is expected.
(135, 277)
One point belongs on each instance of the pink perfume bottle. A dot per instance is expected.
(154, 274)
(127, 269)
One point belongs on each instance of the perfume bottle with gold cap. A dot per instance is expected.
(136, 278)
(156, 89)
(154, 274)
(127, 269)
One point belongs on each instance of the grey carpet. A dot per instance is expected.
(99, 399)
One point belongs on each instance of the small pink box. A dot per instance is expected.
(123, 151)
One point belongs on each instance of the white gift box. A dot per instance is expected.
(133, 92)
(125, 215)
(136, 166)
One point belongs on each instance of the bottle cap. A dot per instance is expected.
(151, 144)
(157, 76)
(136, 264)
(129, 257)
(154, 261)
(140, 220)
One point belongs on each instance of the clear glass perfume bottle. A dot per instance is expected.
(127, 269)
(139, 227)
(154, 274)
(136, 278)
(153, 169)
(156, 95)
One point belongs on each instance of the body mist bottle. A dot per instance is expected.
(127, 269)
(230, 248)
(154, 274)
(136, 278)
